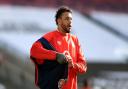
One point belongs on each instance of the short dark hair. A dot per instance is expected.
(60, 11)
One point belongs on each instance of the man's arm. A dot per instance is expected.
(80, 66)
(40, 53)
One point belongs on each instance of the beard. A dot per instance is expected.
(66, 29)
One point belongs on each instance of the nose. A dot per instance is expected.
(70, 21)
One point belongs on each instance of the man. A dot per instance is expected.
(67, 50)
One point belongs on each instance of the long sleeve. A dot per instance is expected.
(40, 53)
(80, 66)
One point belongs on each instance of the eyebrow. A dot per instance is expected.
(69, 17)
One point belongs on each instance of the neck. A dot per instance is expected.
(60, 29)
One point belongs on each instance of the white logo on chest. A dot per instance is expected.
(58, 42)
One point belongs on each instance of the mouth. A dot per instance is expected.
(69, 26)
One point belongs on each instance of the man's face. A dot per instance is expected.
(65, 22)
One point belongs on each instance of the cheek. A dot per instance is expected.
(65, 23)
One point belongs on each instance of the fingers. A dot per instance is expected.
(69, 59)
(61, 83)
(70, 62)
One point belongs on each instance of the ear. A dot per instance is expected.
(59, 21)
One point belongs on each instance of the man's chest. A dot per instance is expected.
(65, 45)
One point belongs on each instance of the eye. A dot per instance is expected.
(68, 18)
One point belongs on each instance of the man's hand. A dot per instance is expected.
(61, 58)
(61, 83)
(69, 59)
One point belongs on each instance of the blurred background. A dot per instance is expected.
(100, 25)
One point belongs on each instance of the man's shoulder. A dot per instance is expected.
(73, 36)
(49, 35)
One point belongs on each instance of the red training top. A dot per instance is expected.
(62, 43)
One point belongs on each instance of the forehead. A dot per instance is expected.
(67, 14)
